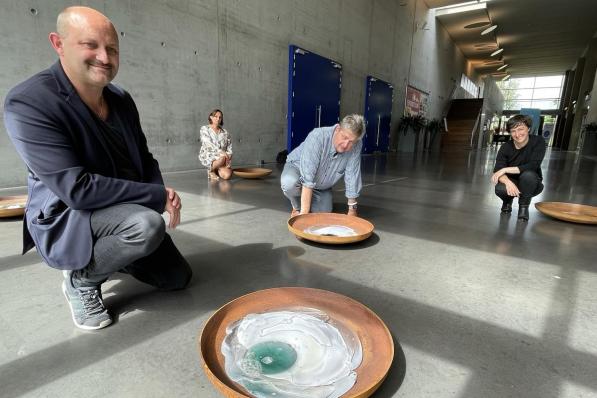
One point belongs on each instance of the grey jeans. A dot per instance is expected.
(131, 238)
(321, 201)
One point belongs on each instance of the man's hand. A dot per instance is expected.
(512, 189)
(173, 206)
(496, 176)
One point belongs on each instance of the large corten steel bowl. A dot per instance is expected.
(12, 206)
(298, 224)
(571, 212)
(376, 340)
(251, 172)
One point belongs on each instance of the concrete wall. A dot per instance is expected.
(182, 58)
(592, 104)
(493, 99)
(587, 78)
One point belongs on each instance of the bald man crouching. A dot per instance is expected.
(96, 193)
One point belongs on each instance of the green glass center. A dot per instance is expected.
(273, 356)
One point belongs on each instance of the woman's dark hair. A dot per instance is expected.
(213, 113)
(519, 119)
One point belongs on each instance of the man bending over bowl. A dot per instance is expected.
(326, 155)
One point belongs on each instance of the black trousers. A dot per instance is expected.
(529, 184)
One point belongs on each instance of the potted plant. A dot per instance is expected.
(411, 123)
(432, 129)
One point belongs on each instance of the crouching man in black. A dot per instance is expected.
(517, 171)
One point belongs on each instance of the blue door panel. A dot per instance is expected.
(378, 115)
(313, 93)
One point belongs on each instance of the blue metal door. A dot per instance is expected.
(379, 96)
(314, 84)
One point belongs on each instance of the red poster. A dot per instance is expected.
(416, 102)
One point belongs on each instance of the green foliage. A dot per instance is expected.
(433, 128)
(408, 123)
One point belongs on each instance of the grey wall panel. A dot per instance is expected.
(232, 54)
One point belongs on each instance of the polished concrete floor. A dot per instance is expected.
(479, 305)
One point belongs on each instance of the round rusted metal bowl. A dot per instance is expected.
(299, 224)
(251, 172)
(376, 340)
(12, 206)
(571, 212)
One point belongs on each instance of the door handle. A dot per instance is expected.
(378, 124)
(318, 115)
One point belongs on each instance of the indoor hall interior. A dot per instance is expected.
(479, 304)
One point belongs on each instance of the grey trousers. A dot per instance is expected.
(132, 239)
(321, 201)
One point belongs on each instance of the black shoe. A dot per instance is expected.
(523, 212)
(507, 207)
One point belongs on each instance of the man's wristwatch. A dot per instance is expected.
(352, 206)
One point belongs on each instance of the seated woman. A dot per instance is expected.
(216, 147)
(517, 171)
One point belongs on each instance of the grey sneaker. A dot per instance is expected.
(86, 305)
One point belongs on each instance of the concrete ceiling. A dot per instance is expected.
(539, 37)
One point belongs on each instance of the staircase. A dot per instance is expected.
(461, 119)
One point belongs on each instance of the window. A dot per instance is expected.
(542, 92)
(468, 86)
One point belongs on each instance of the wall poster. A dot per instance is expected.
(417, 102)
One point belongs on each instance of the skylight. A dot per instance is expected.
(464, 6)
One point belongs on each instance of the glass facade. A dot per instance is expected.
(542, 92)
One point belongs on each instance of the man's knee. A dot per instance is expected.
(149, 230)
(290, 184)
(500, 190)
(529, 176)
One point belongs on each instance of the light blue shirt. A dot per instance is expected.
(321, 166)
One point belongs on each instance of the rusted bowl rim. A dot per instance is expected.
(232, 389)
(332, 240)
(251, 172)
(20, 200)
(575, 214)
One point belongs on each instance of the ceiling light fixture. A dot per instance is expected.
(489, 30)
(505, 77)
(477, 25)
(460, 8)
(461, 4)
(496, 52)
(503, 67)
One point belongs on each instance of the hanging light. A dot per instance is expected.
(489, 30)
(505, 77)
(496, 52)
(503, 67)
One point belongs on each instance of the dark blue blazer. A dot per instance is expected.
(71, 169)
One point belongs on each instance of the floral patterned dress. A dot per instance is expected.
(213, 145)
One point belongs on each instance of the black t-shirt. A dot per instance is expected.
(528, 157)
(112, 131)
